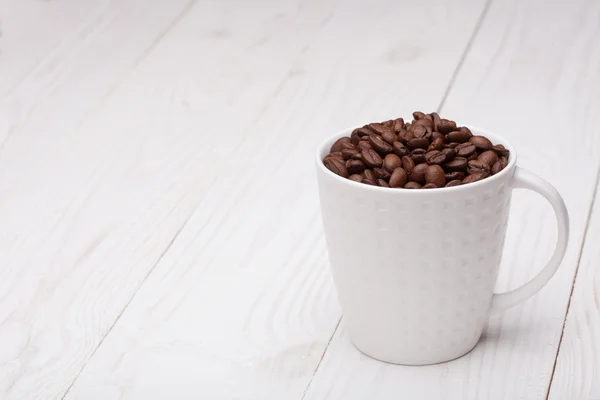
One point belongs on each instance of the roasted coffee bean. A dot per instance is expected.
(418, 155)
(336, 154)
(465, 129)
(435, 157)
(417, 143)
(413, 185)
(398, 178)
(419, 131)
(336, 166)
(337, 145)
(465, 150)
(381, 173)
(347, 146)
(459, 136)
(355, 166)
(478, 167)
(398, 125)
(504, 161)
(473, 157)
(418, 115)
(436, 144)
(363, 132)
(391, 162)
(418, 173)
(429, 186)
(380, 145)
(368, 174)
(473, 178)
(450, 154)
(458, 164)
(489, 157)
(389, 124)
(445, 126)
(354, 138)
(399, 149)
(407, 135)
(357, 155)
(382, 183)
(349, 153)
(369, 182)
(437, 135)
(497, 167)
(455, 182)
(355, 178)
(436, 121)
(451, 176)
(371, 158)
(435, 174)
(378, 128)
(389, 137)
(408, 164)
(426, 122)
(364, 145)
(452, 145)
(481, 142)
(501, 150)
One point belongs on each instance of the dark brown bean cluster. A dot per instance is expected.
(429, 152)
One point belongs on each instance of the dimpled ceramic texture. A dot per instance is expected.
(415, 270)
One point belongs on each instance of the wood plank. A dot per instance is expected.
(577, 371)
(242, 305)
(530, 84)
(111, 159)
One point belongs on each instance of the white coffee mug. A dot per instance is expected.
(414, 269)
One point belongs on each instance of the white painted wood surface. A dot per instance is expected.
(159, 225)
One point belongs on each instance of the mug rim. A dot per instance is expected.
(512, 160)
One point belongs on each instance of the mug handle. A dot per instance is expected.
(526, 180)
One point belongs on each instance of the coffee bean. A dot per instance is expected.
(419, 131)
(368, 174)
(504, 161)
(418, 173)
(369, 182)
(381, 173)
(399, 149)
(418, 155)
(380, 145)
(473, 178)
(354, 138)
(429, 186)
(489, 157)
(371, 158)
(378, 128)
(459, 136)
(435, 174)
(458, 164)
(336, 166)
(418, 115)
(363, 131)
(398, 178)
(405, 136)
(497, 167)
(451, 176)
(355, 166)
(337, 145)
(436, 144)
(391, 162)
(357, 155)
(413, 185)
(481, 142)
(452, 145)
(450, 154)
(426, 122)
(389, 137)
(355, 178)
(347, 146)
(473, 157)
(408, 164)
(455, 182)
(435, 157)
(417, 143)
(389, 124)
(398, 125)
(436, 121)
(336, 154)
(364, 145)
(501, 150)
(349, 153)
(478, 167)
(437, 135)
(382, 183)
(445, 126)
(465, 149)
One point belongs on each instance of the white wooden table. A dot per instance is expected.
(160, 235)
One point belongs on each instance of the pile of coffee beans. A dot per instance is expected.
(429, 152)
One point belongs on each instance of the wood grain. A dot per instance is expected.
(242, 305)
(577, 373)
(110, 158)
(530, 84)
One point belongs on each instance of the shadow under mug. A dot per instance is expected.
(415, 269)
